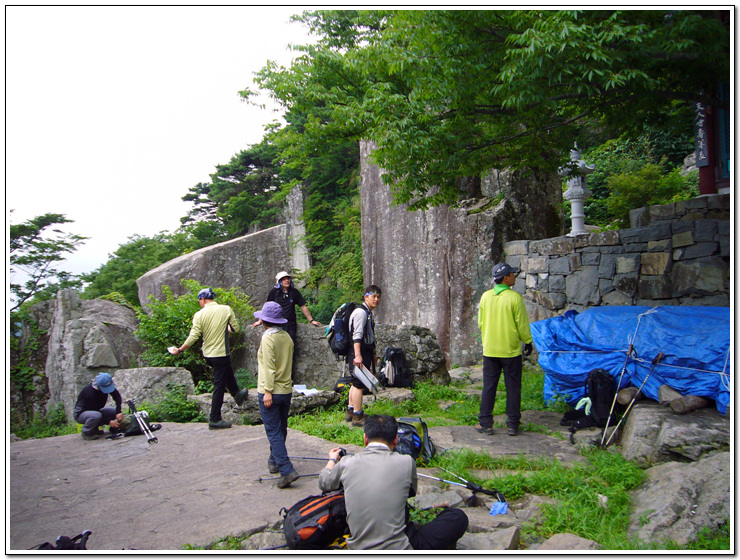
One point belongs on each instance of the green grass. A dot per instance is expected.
(54, 423)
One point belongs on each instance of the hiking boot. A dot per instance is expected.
(481, 430)
(358, 419)
(348, 415)
(286, 480)
(240, 396)
(272, 466)
(220, 425)
(90, 436)
(513, 431)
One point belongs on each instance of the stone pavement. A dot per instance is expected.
(194, 486)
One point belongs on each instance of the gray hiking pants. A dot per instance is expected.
(92, 419)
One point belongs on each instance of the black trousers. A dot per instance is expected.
(439, 534)
(512, 369)
(223, 380)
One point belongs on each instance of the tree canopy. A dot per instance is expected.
(35, 247)
(446, 94)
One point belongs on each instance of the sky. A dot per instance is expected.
(113, 113)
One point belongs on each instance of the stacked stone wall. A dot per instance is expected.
(674, 254)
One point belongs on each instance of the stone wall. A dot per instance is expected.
(249, 262)
(674, 254)
(434, 265)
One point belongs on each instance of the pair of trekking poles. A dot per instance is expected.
(141, 418)
(630, 351)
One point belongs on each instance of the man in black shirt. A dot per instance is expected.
(90, 410)
(288, 296)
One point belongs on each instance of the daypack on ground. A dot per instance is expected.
(600, 388)
(394, 372)
(414, 440)
(129, 426)
(338, 335)
(316, 522)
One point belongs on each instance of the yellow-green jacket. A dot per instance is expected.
(503, 322)
(212, 322)
(275, 362)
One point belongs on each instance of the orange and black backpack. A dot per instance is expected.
(316, 522)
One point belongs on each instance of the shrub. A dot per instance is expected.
(174, 407)
(53, 423)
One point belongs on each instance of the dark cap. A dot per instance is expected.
(502, 269)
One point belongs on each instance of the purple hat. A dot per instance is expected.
(271, 313)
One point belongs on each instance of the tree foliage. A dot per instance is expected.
(450, 94)
(35, 248)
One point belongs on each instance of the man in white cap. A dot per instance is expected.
(214, 322)
(275, 389)
(504, 325)
(287, 296)
(90, 409)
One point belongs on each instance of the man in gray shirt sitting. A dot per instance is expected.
(377, 483)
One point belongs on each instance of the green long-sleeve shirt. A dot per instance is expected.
(212, 321)
(275, 362)
(503, 323)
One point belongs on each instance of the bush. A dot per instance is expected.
(53, 423)
(168, 323)
(174, 407)
(646, 186)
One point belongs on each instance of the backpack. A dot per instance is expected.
(343, 383)
(67, 543)
(600, 388)
(414, 440)
(316, 522)
(394, 372)
(338, 335)
(129, 426)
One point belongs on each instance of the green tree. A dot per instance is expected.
(35, 247)
(449, 94)
(167, 322)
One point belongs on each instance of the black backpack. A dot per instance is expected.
(66, 543)
(394, 372)
(414, 440)
(338, 335)
(316, 522)
(600, 388)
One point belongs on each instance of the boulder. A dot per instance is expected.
(87, 337)
(680, 499)
(568, 541)
(499, 539)
(151, 383)
(654, 434)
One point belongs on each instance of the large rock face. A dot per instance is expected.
(87, 337)
(433, 266)
(151, 383)
(249, 262)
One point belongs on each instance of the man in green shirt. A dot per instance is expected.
(214, 322)
(503, 324)
(275, 388)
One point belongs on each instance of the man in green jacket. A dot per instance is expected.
(214, 322)
(503, 323)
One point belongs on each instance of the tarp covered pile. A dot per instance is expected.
(695, 342)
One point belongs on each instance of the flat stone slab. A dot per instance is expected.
(194, 486)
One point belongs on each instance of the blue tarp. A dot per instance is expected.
(695, 342)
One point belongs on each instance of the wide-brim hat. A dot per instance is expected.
(282, 274)
(271, 313)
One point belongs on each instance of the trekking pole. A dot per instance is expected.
(262, 479)
(476, 488)
(342, 453)
(652, 367)
(611, 410)
(141, 419)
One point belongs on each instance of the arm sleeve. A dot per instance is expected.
(330, 479)
(234, 322)
(269, 362)
(117, 397)
(195, 332)
(522, 322)
(414, 480)
(298, 298)
(271, 295)
(357, 322)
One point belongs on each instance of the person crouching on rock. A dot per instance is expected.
(275, 388)
(90, 409)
